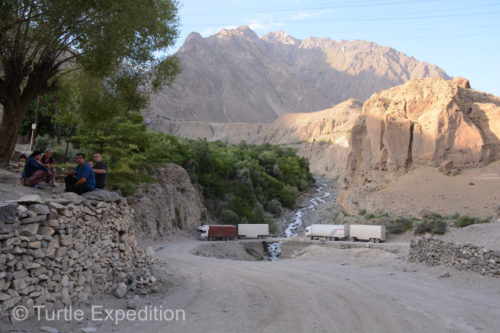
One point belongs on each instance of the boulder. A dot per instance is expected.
(446, 167)
(461, 82)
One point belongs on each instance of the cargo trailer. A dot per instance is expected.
(218, 232)
(372, 233)
(253, 230)
(328, 231)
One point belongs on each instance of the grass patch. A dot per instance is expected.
(335, 216)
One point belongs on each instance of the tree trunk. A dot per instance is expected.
(58, 130)
(9, 128)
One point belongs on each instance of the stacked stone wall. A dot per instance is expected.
(464, 257)
(59, 251)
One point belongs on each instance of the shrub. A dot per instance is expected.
(274, 207)
(362, 212)
(399, 225)
(370, 216)
(466, 220)
(435, 226)
(335, 216)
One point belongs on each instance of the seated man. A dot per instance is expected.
(50, 163)
(100, 171)
(34, 171)
(82, 179)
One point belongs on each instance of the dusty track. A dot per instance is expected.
(316, 293)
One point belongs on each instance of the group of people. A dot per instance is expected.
(85, 177)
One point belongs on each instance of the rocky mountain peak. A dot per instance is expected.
(280, 37)
(240, 32)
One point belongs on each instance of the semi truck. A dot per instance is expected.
(328, 231)
(372, 233)
(253, 230)
(218, 232)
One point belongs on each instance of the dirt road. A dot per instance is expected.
(325, 290)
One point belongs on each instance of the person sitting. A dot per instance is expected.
(34, 171)
(82, 178)
(20, 164)
(50, 164)
(100, 171)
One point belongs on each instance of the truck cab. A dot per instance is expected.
(203, 231)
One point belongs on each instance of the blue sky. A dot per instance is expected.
(462, 37)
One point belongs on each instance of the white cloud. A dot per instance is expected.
(308, 15)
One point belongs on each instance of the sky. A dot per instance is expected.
(461, 37)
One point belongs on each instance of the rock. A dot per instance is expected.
(461, 82)
(454, 172)
(121, 290)
(49, 329)
(29, 229)
(132, 303)
(46, 231)
(8, 213)
(102, 195)
(150, 251)
(39, 209)
(35, 219)
(70, 196)
(446, 167)
(30, 199)
(444, 275)
(65, 240)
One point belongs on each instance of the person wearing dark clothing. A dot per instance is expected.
(100, 171)
(82, 178)
(34, 171)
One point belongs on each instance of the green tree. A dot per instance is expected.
(42, 40)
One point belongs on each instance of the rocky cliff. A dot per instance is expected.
(169, 206)
(235, 76)
(422, 123)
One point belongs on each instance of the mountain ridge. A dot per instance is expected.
(237, 76)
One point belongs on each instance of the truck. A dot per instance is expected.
(372, 233)
(217, 232)
(253, 230)
(328, 231)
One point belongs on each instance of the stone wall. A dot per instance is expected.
(463, 257)
(59, 251)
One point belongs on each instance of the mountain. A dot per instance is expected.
(235, 76)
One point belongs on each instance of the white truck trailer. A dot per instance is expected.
(328, 231)
(253, 230)
(372, 233)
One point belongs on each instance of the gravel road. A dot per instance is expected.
(325, 290)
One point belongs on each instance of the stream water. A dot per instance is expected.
(319, 199)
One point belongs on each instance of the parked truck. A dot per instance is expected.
(328, 231)
(372, 233)
(218, 232)
(253, 230)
